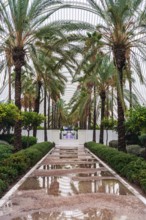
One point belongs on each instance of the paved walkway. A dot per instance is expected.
(70, 183)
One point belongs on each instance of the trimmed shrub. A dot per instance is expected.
(132, 138)
(8, 174)
(26, 141)
(113, 143)
(127, 165)
(143, 152)
(5, 151)
(18, 163)
(6, 137)
(4, 142)
(134, 149)
(3, 186)
(142, 139)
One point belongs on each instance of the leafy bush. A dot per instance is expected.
(134, 149)
(113, 143)
(132, 138)
(6, 137)
(142, 139)
(5, 151)
(9, 114)
(136, 120)
(17, 164)
(26, 141)
(8, 174)
(3, 186)
(18, 161)
(127, 165)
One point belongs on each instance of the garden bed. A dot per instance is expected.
(17, 164)
(131, 167)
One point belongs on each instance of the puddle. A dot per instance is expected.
(96, 174)
(65, 186)
(88, 214)
(31, 183)
(70, 166)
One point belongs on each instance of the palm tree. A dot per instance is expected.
(22, 20)
(121, 32)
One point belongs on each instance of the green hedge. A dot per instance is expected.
(17, 164)
(26, 141)
(127, 165)
(5, 151)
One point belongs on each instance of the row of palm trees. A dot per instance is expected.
(31, 43)
(121, 33)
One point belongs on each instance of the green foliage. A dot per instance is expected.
(127, 165)
(3, 186)
(5, 151)
(31, 119)
(17, 164)
(109, 124)
(134, 149)
(142, 139)
(6, 137)
(8, 174)
(97, 127)
(9, 114)
(26, 141)
(132, 138)
(136, 121)
(113, 143)
(18, 161)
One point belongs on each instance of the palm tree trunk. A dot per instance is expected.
(45, 109)
(49, 112)
(130, 90)
(121, 118)
(120, 62)
(103, 97)
(18, 59)
(89, 118)
(37, 103)
(94, 116)
(59, 121)
(112, 105)
(17, 129)
(9, 72)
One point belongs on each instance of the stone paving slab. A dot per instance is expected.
(74, 193)
(66, 172)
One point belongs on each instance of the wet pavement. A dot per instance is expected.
(71, 183)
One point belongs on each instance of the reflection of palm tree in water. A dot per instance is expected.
(54, 188)
(103, 214)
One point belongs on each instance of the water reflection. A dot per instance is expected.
(70, 166)
(88, 214)
(65, 186)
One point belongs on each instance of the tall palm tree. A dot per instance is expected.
(22, 20)
(121, 31)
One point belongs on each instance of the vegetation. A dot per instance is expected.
(31, 119)
(17, 164)
(9, 115)
(136, 120)
(26, 141)
(127, 165)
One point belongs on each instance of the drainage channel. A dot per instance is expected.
(71, 183)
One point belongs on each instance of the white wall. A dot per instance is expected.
(83, 136)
